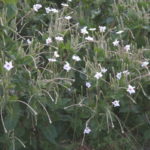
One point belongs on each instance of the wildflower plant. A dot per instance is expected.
(66, 84)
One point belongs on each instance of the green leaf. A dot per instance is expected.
(11, 11)
(129, 108)
(100, 53)
(12, 117)
(10, 1)
(49, 133)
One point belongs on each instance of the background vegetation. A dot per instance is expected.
(45, 107)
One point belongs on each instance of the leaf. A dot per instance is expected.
(12, 117)
(1, 91)
(100, 53)
(129, 108)
(49, 133)
(11, 11)
(10, 1)
(147, 134)
(27, 60)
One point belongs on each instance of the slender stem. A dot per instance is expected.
(35, 113)
(3, 120)
(49, 119)
(20, 141)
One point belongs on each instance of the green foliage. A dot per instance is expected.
(10, 1)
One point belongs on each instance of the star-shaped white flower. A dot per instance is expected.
(89, 38)
(67, 67)
(98, 75)
(56, 54)
(47, 9)
(64, 5)
(48, 40)
(126, 72)
(116, 103)
(36, 7)
(88, 84)
(67, 17)
(8, 65)
(29, 41)
(87, 130)
(116, 43)
(127, 48)
(52, 60)
(84, 30)
(92, 29)
(53, 10)
(119, 32)
(131, 89)
(102, 29)
(103, 70)
(145, 64)
(59, 38)
(119, 75)
(76, 58)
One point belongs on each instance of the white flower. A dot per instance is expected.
(67, 17)
(119, 32)
(8, 65)
(29, 41)
(84, 30)
(59, 38)
(116, 103)
(126, 72)
(47, 10)
(92, 29)
(145, 64)
(127, 48)
(64, 5)
(36, 7)
(98, 75)
(116, 43)
(89, 38)
(88, 84)
(56, 54)
(76, 58)
(48, 40)
(69, 0)
(103, 70)
(52, 60)
(102, 29)
(67, 67)
(87, 130)
(119, 75)
(131, 89)
(54, 10)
